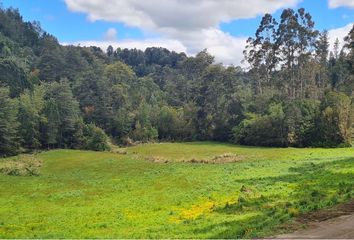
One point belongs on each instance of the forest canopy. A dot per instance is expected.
(296, 92)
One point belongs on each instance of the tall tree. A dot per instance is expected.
(62, 114)
(9, 138)
(322, 52)
(349, 44)
(262, 53)
(13, 76)
(31, 117)
(336, 120)
(295, 38)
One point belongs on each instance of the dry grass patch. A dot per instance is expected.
(223, 158)
(157, 159)
(22, 165)
(121, 151)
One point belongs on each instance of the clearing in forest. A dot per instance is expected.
(170, 190)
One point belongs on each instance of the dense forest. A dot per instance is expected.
(295, 92)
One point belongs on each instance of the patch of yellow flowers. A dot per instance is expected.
(198, 210)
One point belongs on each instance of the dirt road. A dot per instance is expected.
(339, 228)
(337, 222)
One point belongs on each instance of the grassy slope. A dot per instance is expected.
(88, 194)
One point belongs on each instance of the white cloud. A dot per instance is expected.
(226, 48)
(185, 24)
(341, 3)
(175, 14)
(111, 34)
(339, 33)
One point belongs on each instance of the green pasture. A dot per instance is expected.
(83, 194)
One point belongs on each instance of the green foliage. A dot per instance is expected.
(123, 123)
(51, 62)
(157, 94)
(95, 138)
(13, 26)
(51, 128)
(13, 76)
(9, 139)
(149, 61)
(31, 117)
(172, 124)
(118, 73)
(143, 133)
(301, 116)
(263, 130)
(7, 47)
(336, 120)
(62, 113)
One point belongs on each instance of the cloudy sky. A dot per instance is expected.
(221, 26)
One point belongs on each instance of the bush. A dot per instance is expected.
(263, 130)
(95, 138)
(143, 133)
(301, 122)
(335, 121)
(171, 124)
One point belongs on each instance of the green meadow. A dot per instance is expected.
(172, 190)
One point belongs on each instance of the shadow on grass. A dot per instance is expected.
(314, 187)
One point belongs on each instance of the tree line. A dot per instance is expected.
(296, 92)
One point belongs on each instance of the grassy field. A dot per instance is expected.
(164, 191)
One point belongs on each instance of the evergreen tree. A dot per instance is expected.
(31, 117)
(62, 112)
(9, 138)
(335, 120)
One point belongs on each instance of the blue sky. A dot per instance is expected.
(67, 26)
(325, 18)
(181, 25)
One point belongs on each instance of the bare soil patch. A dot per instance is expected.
(334, 223)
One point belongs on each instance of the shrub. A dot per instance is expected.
(95, 138)
(301, 122)
(335, 121)
(143, 133)
(175, 123)
(263, 130)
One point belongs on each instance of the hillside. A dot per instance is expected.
(296, 92)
